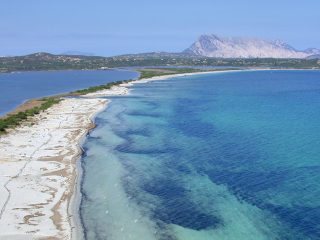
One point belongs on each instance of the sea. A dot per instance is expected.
(221, 156)
(18, 87)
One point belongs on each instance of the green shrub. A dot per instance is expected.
(16, 119)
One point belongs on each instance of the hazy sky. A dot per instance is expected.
(107, 27)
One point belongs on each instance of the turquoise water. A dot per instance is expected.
(18, 87)
(216, 156)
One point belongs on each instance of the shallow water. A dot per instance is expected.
(18, 87)
(216, 156)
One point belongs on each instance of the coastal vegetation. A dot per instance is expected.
(46, 61)
(155, 72)
(15, 119)
(98, 88)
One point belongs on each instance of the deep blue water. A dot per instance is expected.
(18, 87)
(217, 156)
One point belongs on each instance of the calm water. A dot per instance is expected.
(219, 156)
(18, 87)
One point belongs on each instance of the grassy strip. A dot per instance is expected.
(149, 73)
(144, 73)
(98, 88)
(13, 120)
(16, 119)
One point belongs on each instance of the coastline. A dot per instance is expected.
(75, 200)
(38, 171)
(53, 165)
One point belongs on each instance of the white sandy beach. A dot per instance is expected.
(38, 170)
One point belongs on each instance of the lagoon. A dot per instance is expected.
(19, 87)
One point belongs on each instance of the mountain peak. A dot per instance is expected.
(313, 51)
(211, 45)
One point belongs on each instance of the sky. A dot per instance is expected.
(113, 27)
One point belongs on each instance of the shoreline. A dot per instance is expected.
(56, 164)
(27, 102)
(75, 200)
(38, 167)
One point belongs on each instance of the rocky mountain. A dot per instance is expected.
(315, 56)
(313, 51)
(237, 47)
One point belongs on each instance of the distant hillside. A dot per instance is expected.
(236, 47)
(47, 61)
